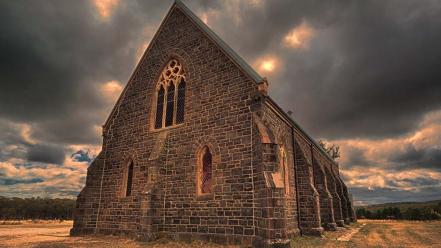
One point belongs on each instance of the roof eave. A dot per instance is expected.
(291, 121)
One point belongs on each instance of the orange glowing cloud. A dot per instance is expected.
(375, 177)
(146, 37)
(111, 90)
(26, 133)
(299, 37)
(378, 170)
(267, 64)
(105, 7)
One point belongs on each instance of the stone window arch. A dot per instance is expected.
(127, 183)
(170, 96)
(204, 171)
(284, 171)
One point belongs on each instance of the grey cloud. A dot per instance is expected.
(372, 70)
(370, 73)
(383, 195)
(45, 153)
(13, 181)
(412, 157)
(54, 53)
(355, 157)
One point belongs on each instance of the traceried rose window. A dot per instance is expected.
(170, 96)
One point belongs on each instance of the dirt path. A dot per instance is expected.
(352, 232)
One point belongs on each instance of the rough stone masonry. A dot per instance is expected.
(196, 149)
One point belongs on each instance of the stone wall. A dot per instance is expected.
(218, 99)
(226, 112)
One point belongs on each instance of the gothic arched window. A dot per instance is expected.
(205, 171)
(159, 107)
(170, 96)
(128, 179)
(284, 169)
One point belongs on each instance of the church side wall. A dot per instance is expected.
(279, 219)
(309, 198)
(283, 135)
(321, 184)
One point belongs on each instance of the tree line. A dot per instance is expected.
(411, 213)
(36, 208)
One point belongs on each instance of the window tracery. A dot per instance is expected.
(170, 95)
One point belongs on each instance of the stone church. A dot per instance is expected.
(195, 148)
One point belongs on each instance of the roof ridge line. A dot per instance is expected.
(236, 58)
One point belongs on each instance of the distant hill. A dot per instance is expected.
(403, 206)
(429, 210)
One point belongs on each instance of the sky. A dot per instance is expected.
(364, 75)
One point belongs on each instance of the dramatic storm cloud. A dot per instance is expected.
(361, 74)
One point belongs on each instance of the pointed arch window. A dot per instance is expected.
(128, 179)
(170, 100)
(205, 171)
(284, 169)
(159, 107)
(180, 106)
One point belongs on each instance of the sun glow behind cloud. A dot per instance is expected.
(111, 90)
(299, 37)
(267, 64)
(105, 7)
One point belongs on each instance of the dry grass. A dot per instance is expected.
(372, 234)
(381, 233)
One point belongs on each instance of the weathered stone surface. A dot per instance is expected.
(254, 200)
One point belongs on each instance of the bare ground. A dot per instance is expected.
(370, 234)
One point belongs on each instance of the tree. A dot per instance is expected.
(36, 208)
(332, 150)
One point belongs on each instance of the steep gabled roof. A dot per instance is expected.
(291, 121)
(227, 50)
(224, 46)
(241, 63)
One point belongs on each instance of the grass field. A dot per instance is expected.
(366, 233)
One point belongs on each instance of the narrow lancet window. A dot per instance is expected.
(129, 179)
(206, 175)
(170, 105)
(180, 111)
(159, 108)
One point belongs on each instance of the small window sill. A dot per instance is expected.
(154, 130)
(126, 198)
(207, 196)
